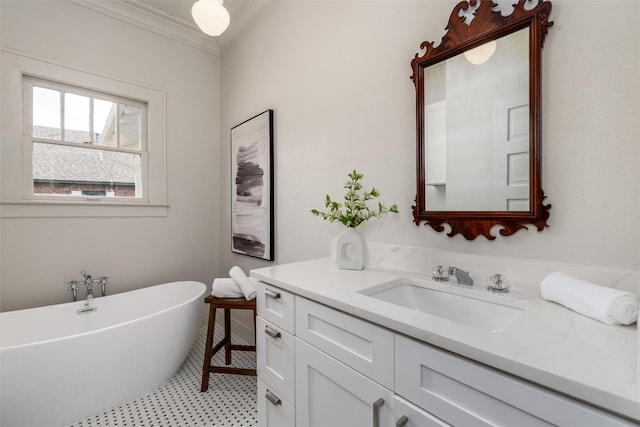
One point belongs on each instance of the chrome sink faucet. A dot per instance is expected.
(441, 274)
(462, 276)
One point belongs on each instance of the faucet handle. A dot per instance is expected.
(73, 285)
(439, 274)
(498, 283)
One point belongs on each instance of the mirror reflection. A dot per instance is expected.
(476, 128)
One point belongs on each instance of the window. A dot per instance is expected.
(84, 143)
(88, 145)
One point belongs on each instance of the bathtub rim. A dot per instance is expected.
(97, 300)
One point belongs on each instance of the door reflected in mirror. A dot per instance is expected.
(476, 117)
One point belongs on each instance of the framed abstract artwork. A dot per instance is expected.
(252, 187)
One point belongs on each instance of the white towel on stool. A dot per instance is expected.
(608, 305)
(225, 288)
(247, 287)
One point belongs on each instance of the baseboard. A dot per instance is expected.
(243, 331)
(241, 324)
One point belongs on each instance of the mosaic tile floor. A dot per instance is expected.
(230, 400)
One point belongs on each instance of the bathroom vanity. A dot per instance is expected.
(341, 348)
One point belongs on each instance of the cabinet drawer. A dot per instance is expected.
(406, 414)
(275, 358)
(276, 412)
(275, 306)
(365, 347)
(463, 392)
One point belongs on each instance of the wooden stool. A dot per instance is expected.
(227, 304)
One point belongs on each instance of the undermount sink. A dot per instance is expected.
(471, 307)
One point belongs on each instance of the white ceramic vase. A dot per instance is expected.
(350, 250)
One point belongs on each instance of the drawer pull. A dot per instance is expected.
(402, 421)
(272, 294)
(272, 332)
(376, 412)
(272, 398)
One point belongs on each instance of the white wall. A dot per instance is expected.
(39, 255)
(337, 76)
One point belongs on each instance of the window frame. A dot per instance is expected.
(16, 191)
(28, 83)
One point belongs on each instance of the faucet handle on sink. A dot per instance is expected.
(440, 274)
(498, 283)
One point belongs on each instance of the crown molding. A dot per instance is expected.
(244, 14)
(142, 16)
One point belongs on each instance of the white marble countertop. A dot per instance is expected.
(548, 345)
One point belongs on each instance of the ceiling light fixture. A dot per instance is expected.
(481, 54)
(211, 16)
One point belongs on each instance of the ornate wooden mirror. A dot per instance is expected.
(478, 115)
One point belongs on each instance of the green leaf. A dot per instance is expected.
(354, 210)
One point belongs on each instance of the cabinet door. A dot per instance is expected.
(275, 358)
(273, 410)
(329, 393)
(406, 414)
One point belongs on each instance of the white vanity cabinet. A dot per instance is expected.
(318, 366)
(275, 356)
(331, 394)
(463, 392)
(345, 373)
(344, 369)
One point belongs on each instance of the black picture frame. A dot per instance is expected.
(252, 230)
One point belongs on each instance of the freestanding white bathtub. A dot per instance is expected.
(58, 366)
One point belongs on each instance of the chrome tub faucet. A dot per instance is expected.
(88, 282)
(73, 287)
(103, 281)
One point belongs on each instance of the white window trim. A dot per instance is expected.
(29, 82)
(16, 180)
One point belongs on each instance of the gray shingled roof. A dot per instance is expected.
(67, 163)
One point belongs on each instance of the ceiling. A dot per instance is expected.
(173, 18)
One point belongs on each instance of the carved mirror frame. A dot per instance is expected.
(486, 25)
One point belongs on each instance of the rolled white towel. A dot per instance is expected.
(225, 288)
(247, 287)
(608, 305)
